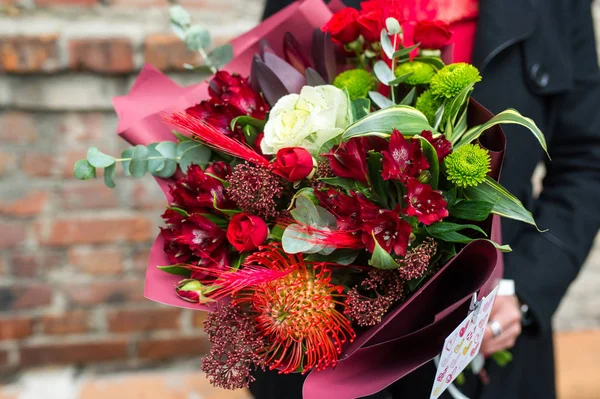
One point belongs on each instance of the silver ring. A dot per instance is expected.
(496, 328)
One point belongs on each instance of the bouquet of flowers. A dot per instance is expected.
(333, 213)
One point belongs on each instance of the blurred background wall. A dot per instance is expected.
(73, 254)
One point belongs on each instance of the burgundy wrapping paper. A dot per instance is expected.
(411, 334)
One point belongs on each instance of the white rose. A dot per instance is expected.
(306, 120)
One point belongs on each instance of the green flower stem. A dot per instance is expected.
(206, 61)
(148, 159)
(393, 91)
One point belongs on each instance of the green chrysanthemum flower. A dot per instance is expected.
(453, 78)
(421, 72)
(358, 82)
(428, 104)
(468, 165)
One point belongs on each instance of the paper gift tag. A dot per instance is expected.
(462, 345)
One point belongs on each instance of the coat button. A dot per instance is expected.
(539, 76)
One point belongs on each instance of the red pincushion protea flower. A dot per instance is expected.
(297, 312)
(427, 204)
(404, 158)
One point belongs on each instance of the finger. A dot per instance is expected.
(505, 341)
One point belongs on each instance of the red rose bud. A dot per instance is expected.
(427, 204)
(433, 35)
(442, 146)
(194, 291)
(349, 159)
(247, 232)
(294, 163)
(343, 26)
(371, 23)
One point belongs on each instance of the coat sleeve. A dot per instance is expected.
(543, 265)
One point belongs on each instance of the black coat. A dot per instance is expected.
(539, 57)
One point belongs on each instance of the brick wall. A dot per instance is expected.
(73, 254)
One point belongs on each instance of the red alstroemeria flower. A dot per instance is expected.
(176, 252)
(368, 210)
(197, 191)
(219, 115)
(201, 235)
(349, 159)
(442, 146)
(404, 158)
(346, 209)
(392, 233)
(236, 91)
(427, 204)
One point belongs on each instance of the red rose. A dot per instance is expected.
(371, 23)
(427, 204)
(246, 232)
(293, 163)
(343, 26)
(433, 35)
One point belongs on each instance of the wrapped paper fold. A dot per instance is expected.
(413, 332)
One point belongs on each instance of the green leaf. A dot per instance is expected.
(446, 227)
(306, 212)
(180, 211)
(450, 196)
(109, 175)
(410, 97)
(222, 223)
(381, 123)
(158, 161)
(453, 236)
(439, 116)
(381, 187)
(191, 152)
(432, 159)
(383, 72)
(386, 44)
(250, 133)
(167, 149)
(454, 107)
(393, 26)
(178, 269)
(505, 204)
(295, 240)
(502, 358)
(361, 107)
(83, 170)
(167, 170)
(435, 61)
(404, 52)
(228, 212)
(245, 120)
(346, 184)
(400, 79)
(139, 161)
(510, 116)
(98, 159)
(221, 55)
(329, 144)
(179, 15)
(126, 156)
(381, 259)
(471, 210)
(197, 38)
(340, 256)
(503, 248)
(380, 100)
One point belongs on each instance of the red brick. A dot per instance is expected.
(88, 195)
(97, 261)
(147, 197)
(50, 3)
(31, 204)
(168, 52)
(8, 163)
(3, 269)
(75, 322)
(23, 54)
(20, 296)
(39, 164)
(105, 292)
(15, 328)
(199, 318)
(11, 234)
(78, 353)
(86, 127)
(110, 55)
(125, 321)
(94, 230)
(139, 260)
(3, 359)
(174, 347)
(17, 127)
(34, 264)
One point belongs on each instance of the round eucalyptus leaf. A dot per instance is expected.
(156, 161)
(167, 149)
(197, 38)
(139, 161)
(192, 152)
(393, 26)
(98, 159)
(83, 170)
(179, 15)
(220, 56)
(168, 170)
(109, 175)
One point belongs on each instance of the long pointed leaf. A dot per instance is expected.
(407, 120)
(432, 159)
(510, 116)
(505, 204)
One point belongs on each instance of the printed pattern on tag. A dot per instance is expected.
(462, 345)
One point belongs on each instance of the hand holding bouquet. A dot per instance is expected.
(320, 206)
